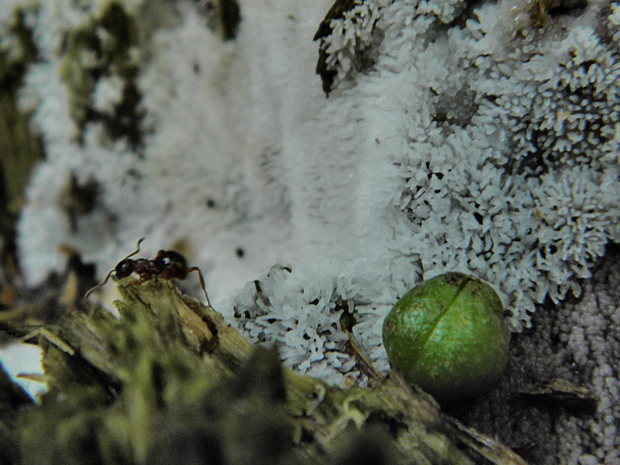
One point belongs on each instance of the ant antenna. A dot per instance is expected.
(202, 282)
(93, 289)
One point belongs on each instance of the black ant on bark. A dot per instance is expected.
(167, 264)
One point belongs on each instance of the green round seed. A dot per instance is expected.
(448, 335)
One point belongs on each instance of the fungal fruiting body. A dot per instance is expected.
(448, 335)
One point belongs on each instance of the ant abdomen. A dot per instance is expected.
(173, 263)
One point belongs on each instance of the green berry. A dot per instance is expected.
(448, 335)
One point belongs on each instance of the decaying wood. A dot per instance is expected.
(170, 371)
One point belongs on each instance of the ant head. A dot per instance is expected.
(124, 268)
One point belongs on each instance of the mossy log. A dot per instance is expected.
(168, 381)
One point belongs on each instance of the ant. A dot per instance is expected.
(167, 264)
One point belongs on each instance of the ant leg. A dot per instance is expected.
(137, 282)
(93, 289)
(202, 282)
(136, 294)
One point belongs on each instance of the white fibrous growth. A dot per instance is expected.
(477, 141)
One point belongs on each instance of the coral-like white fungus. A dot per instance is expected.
(453, 140)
